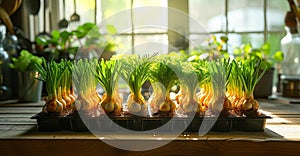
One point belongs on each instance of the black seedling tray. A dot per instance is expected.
(75, 122)
(250, 124)
(51, 122)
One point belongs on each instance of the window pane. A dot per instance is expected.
(84, 8)
(111, 7)
(236, 40)
(151, 44)
(144, 3)
(150, 16)
(117, 13)
(125, 44)
(274, 39)
(255, 39)
(277, 9)
(197, 40)
(209, 13)
(245, 15)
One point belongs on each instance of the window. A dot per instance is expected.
(244, 21)
(135, 28)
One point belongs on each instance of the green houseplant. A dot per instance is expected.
(57, 45)
(85, 39)
(104, 45)
(29, 88)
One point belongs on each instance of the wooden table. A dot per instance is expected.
(20, 136)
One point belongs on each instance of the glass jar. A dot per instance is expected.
(290, 46)
(5, 71)
(290, 66)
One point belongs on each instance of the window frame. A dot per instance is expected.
(33, 25)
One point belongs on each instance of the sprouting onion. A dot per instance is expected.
(66, 83)
(204, 78)
(107, 75)
(189, 85)
(51, 73)
(235, 89)
(195, 77)
(249, 74)
(219, 72)
(135, 72)
(163, 78)
(85, 85)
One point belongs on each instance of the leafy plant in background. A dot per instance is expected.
(211, 49)
(56, 45)
(100, 41)
(25, 62)
(214, 48)
(268, 58)
(85, 38)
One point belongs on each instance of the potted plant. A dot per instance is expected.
(85, 39)
(57, 45)
(29, 88)
(105, 45)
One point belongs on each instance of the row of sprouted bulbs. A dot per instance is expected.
(206, 87)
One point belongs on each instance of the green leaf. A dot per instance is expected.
(247, 48)
(87, 27)
(79, 34)
(257, 53)
(266, 48)
(25, 62)
(65, 34)
(278, 56)
(111, 29)
(224, 39)
(237, 51)
(55, 34)
(41, 41)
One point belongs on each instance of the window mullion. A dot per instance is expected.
(265, 22)
(226, 21)
(95, 12)
(178, 29)
(226, 17)
(132, 26)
